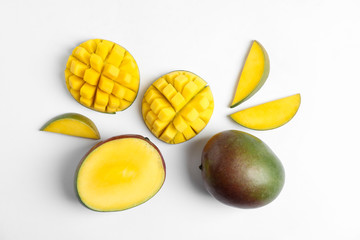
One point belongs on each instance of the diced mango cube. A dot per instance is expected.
(189, 90)
(169, 133)
(206, 115)
(151, 117)
(178, 101)
(114, 102)
(110, 109)
(128, 64)
(190, 76)
(201, 104)
(116, 56)
(171, 76)
(198, 125)
(151, 94)
(145, 108)
(179, 138)
(179, 82)
(200, 83)
(89, 45)
(87, 90)
(100, 108)
(82, 55)
(189, 133)
(106, 84)
(129, 95)
(158, 126)
(91, 76)
(69, 61)
(158, 104)
(67, 74)
(102, 50)
(96, 62)
(124, 104)
(169, 91)
(111, 71)
(166, 114)
(78, 68)
(86, 101)
(101, 98)
(75, 82)
(180, 124)
(124, 78)
(119, 90)
(108, 44)
(190, 114)
(160, 84)
(75, 94)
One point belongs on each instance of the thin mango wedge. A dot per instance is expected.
(269, 115)
(254, 74)
(72, 124)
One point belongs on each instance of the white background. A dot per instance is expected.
(314, 50)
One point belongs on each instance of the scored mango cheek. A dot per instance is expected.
(102, 75)
(177, 106)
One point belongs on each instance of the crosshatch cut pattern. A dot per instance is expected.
(177, 106)
(102, 76)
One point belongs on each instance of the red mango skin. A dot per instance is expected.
(240, 170)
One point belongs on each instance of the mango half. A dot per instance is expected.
(177, 106)
(102, 76)
(120, 173)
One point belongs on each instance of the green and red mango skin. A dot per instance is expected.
(240, 170)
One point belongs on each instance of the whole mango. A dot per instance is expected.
(240, 170)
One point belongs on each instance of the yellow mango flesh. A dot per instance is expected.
(120, 174)
(253, 75)
(102, 76)
(72, 124)
(177, 106)
(269, 115)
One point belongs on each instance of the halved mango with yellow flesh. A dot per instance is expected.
(177, 106)
(269, 115)
(120, 173)
(73, 124)
(254, 74)
(102, 76)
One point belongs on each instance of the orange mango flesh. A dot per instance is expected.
(269, 115)
(253, 75)
(120, 174)
(72, 124)
(177, 106)
(102, 76)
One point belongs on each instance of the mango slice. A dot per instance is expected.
(254, 74)
(102, 76)
(177, 106)
(268, 115)
(120, 173)
(72, 124)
